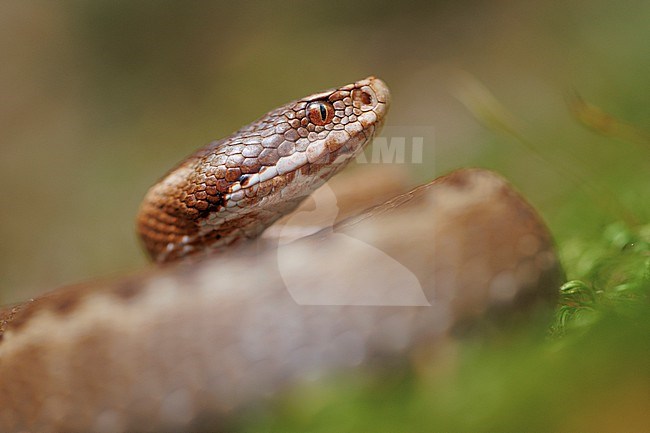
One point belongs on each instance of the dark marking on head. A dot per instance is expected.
(211, 207)
(243, 179)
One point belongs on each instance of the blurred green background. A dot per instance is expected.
(99, 98)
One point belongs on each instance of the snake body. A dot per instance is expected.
(190, 346)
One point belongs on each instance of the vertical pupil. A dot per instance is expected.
(323, 112)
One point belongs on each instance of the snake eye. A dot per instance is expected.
(320, 112)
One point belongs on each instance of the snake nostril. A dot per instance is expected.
(362, 97)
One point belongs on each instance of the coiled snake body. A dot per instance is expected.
(189, 345)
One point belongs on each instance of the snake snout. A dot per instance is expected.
(371, 96)
(377, 89)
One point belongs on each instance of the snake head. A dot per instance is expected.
(232, 189)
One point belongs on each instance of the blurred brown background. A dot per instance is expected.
(99, 98)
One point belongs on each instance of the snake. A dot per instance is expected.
(225, 320)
